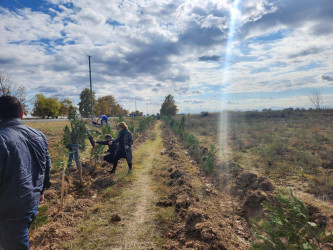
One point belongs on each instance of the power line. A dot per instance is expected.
(91, 93)
(20, 3)
(36, 16)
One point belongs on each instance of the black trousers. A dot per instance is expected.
(118, 156)
(109, 158)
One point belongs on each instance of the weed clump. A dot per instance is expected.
(41, 218)
(287, 225)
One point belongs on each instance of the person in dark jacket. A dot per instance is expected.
(112, 148)
(24, 174)
(125, 140)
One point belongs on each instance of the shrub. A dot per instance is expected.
(286, 226)
(121, 119)
(143, 124)
(192, 143)
(131, 128)
(210, 163)
(108, 130)
(41, 218)
(204, 113)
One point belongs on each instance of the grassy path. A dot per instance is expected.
(132, 198)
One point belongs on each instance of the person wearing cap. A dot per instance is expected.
(103, 118)
(24, 174)
(125, 140)
(113, 147)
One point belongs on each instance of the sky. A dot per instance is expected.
(211, 55)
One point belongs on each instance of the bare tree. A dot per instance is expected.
(316, 99)
(9, 88)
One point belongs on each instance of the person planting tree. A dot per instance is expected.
(75, 139)
(112, 148)
(103, 118)
(73, 148)
(24, 174)
(125, 140)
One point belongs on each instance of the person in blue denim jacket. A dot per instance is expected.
(24, 174)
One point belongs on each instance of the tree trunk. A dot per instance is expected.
(62, 188)
(79, 167)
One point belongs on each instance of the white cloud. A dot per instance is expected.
(152, 48)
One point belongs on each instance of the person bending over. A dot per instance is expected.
(125, 140)
(103, 118)
(113, 147)
(24, 174)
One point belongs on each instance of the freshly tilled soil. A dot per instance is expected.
(62, 226)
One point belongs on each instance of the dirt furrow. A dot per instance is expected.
(205, 217)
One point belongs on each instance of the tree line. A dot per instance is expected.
(105, 105)
(50, 106)
(53, 107)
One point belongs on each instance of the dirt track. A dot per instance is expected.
(206, 216)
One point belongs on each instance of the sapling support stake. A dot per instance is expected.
(95, 154)
(79, 167)
(62, 186)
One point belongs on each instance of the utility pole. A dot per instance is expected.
(91, 93)
(135, 105)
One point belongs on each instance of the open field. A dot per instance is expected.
(171, 201)
(53, 130)
(294, 150)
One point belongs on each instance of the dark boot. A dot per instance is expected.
(129, 168)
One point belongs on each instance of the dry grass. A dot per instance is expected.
(294, 150)
(53, 131)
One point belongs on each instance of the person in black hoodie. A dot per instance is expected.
(113, 147)
(125, 140)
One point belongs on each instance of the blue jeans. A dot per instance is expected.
(14, 232)
(104, 120)
(73, 153)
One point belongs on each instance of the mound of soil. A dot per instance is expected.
(250, 189)
(114, 218)
(61, 224)
(316, 216)
(253, 190)
(102, 182)
(201, 220)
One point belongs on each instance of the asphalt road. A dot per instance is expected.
(57, 120)
(43, 120)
